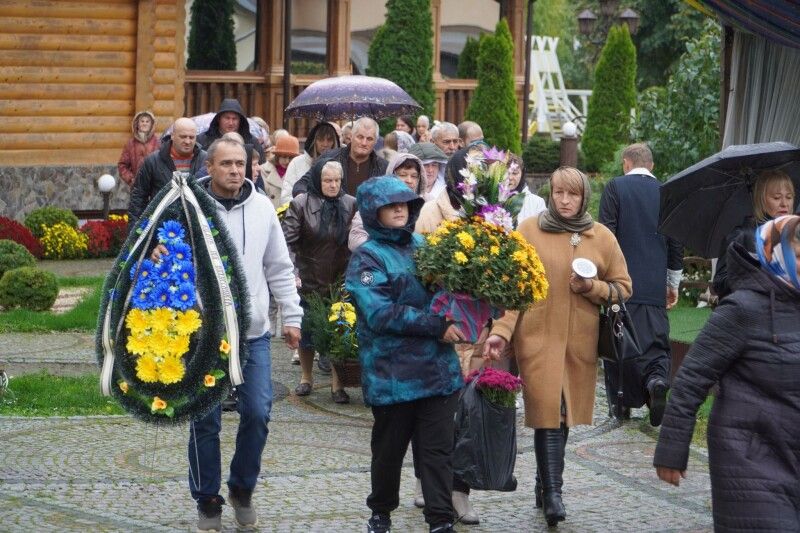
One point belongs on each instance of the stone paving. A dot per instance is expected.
(117, 474)
(113, 473)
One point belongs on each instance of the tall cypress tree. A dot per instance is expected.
(468, 59)
(608, 123)
(494, 104)
(211, 42)
(402, 50)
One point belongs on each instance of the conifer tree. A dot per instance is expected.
(211, 41)
(402, 50)
(613, 96)
(494, 104)
(468, 58)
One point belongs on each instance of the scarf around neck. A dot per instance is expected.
(552, 221)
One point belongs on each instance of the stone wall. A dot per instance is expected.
(23, 189)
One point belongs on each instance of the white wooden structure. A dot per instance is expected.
(551, 104)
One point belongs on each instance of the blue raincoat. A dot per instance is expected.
(402, 358)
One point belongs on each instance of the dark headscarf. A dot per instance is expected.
(334, 218)
(552, 221)
(452, 172)
(312, 137)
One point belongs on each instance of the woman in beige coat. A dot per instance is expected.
(555, 341)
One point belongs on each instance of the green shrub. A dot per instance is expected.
(494, 104)
(211, 39)
(613, 167)
(468, 58)
(29, 288)
(309, 67)
(541, 154)
(680, 122)
(402, 50)
(608, 123)
(14, 255)
(49, 216)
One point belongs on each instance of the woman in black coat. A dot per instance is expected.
(751, 345)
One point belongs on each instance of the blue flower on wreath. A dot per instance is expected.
(180, 251)
(142, 225)
(186, 273)
(160, 295)
(184, 297)
(171, 231)
(146, 271)
(141, 297)
(163, 271)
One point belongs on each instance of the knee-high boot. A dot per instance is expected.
(538, 488)
(549, 445)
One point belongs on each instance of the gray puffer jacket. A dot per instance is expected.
(751, 345)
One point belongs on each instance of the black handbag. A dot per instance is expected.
(617, 340)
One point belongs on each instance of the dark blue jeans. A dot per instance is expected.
(254, 405)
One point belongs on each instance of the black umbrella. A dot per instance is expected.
(350, 97)
(701, 205)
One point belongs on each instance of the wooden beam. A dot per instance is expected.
(143, 98)
(67, 75)
(339, 38)
(56, 157)
(40, 141)
(25, 58)
(74, 124)
(78, 42)
(121, 9)
(66, 108)
(65, 26)
(60, 91)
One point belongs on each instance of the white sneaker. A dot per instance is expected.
(419, 499)
(296, 357)
(463, 508)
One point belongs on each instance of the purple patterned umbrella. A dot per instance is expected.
(349, 97)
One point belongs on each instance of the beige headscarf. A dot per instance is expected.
(552, 221)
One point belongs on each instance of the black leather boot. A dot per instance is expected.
(549, 445)
(538, 488)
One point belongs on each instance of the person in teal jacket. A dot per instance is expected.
(409, 370)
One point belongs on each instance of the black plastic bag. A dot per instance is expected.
(485, 442)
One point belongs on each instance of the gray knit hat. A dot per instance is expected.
(428, 153)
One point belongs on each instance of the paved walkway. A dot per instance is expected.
(117, 474)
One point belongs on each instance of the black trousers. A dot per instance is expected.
(430, 422)
(652, 331)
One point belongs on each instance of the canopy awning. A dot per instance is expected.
(775, 20)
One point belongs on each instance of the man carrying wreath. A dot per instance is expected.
(258, 239)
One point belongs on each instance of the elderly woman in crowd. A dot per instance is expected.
(555, 341)
(272, 173)
(143, 143)
(773, 196)
(750, 347)
(533, 204)
(316, 226)
(321, 138)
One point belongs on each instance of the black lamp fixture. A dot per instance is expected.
(587, 20)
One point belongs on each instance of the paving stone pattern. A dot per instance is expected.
(117, 474)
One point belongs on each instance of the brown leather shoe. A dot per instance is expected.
(304, 389)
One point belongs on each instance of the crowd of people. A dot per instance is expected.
(356, 207)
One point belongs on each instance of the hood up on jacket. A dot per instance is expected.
(152, 126)
(745, 272)
(312, 136)
(381, 191)
(231, 104)
(401, 158)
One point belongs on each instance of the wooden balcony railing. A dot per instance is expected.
(205, 90)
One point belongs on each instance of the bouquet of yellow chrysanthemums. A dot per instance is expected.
(478, 263)
(332, 324)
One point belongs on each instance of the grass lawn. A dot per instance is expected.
(46, 395)
(82, 317)
(686, 321)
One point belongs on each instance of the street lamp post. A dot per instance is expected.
(569, 145)
(595, 28)
(106, 184)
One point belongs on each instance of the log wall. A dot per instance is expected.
(73, 73)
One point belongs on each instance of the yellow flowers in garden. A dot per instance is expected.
(484, 260)
(160, 337)
(61, 241)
